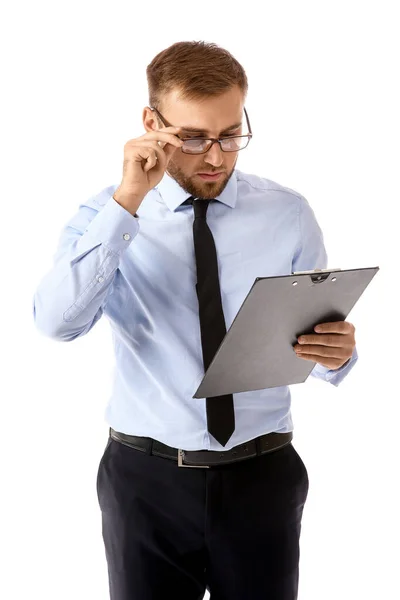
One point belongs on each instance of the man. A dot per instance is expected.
(195, 494)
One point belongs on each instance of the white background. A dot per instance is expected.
(324, 107)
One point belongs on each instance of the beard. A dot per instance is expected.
(197, 187)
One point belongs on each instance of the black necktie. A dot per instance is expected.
(220, 410)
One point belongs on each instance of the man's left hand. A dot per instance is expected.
(331, 347)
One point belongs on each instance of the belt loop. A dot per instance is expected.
(150, 446)
(258, 446)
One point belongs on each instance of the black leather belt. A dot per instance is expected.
(205, 458)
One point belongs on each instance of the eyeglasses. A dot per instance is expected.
(197, 145)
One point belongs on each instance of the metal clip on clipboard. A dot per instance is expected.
(317, 278)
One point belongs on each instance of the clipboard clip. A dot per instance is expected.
(316, 278)
(315, 270)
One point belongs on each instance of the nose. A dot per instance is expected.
(214, 156)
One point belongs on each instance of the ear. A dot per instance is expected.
(149, 117)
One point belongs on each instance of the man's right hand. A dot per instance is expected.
(145, 161)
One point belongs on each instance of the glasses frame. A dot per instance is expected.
(212, 140)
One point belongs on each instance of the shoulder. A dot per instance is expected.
(248, 183)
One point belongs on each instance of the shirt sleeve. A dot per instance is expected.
(311, 254)
(70, 298)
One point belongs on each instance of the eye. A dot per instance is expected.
(202, 137)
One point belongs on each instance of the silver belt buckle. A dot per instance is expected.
(181, 456)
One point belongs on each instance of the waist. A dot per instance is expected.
(263, 444)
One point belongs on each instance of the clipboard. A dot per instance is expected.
(257, 350)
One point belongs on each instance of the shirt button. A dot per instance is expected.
(101, 279)
(126, 236)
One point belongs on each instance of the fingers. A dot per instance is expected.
(164, 137)
(329, 363)
(341, 327)
(161, 146)
(321, 351)
(151, 161)
(151, 154)
(334, 339)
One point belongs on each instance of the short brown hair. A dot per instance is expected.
(196, 69)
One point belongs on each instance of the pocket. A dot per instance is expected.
(105, 454)
(300, 463)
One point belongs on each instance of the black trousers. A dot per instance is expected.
(173, 532)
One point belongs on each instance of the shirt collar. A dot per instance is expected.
(173, 195)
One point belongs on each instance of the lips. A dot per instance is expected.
(210, 176)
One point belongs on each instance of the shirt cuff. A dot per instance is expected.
(114, 226)
(335, 376)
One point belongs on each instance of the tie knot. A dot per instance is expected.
(200, 206)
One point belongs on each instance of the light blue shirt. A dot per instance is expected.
(140, 272)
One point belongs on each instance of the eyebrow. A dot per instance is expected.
(195, 130)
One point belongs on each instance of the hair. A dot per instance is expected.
(196, 69)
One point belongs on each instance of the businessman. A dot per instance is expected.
(195, 494)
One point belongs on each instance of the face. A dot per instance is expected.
(214, 118)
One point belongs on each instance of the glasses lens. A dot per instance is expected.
(228, 145)
(195, 146)
(234, 144)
